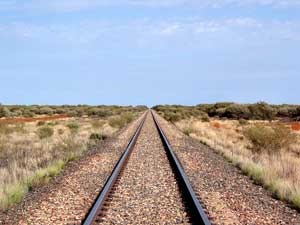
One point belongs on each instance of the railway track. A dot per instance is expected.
(147, 185)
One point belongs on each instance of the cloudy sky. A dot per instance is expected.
(149, 51)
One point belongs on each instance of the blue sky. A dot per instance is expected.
(149, 51)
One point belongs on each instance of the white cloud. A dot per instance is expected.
(245, 30)
(76, 5)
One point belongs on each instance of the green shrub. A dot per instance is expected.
(45, 132)
(262, 111)
(71, 113)
(46, 111)
(173, 117)
(236, 111)
(97, 137)
(74, 127)
(205, 119)
(269, 139)
(4, 112)
(52, 123)
(28, 113)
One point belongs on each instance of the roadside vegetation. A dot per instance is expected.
(12, 111)
(31, 153)
(228, 110)
(261, 139)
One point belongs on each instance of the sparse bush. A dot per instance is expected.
(45, 132)
(262, 111)
(243, 122)
(53, 123)
(121, 121)
(74, 127)
(269, 139)
(71, 113)
(205, 119)
(97, 137)
(19, 128)
(97, 124)
(173, 117)
(187, 130)
(41, 123)
(46, 111)
(5, 129)
(27, 162)
(28, 113)
(4, 112)
(236, 111)
(117, 122)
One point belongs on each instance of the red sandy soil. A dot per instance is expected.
(295, 126)
(216, 125)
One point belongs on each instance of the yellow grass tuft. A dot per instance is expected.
(278, 172)
(32, 153)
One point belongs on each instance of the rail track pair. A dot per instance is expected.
(194, 209)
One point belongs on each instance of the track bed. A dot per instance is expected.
(145, 186)
(147, 191)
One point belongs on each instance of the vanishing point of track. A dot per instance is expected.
(147, 184)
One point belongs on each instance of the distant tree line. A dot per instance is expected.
(230, 110)
(69, 110)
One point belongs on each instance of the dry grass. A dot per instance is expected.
(277, 172)
(31, 153)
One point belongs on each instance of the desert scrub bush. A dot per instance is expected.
(73, 127)
(205, 118)
(4, 112)
(5, 128)
(121, 121)
(8, 128)
(262, 111)
(19, 128)
(26, 162)
(53, 123)
(45, 132)
(43, 175)
(243, 122)
(187, 130)
(41, 123)
(173, 117)
(46, 111)
(27, 113)
(269, 139)
(97, 124)
(237, 111)
(97, 137)
(278, 173)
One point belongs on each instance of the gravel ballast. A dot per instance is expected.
(228, 196)
(147, 191)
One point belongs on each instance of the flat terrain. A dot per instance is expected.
(228, 195)
(68, 197)
(147, 191)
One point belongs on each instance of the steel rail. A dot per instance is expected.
(100, 200)
(196, 211)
